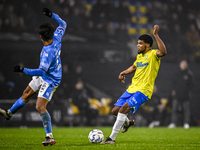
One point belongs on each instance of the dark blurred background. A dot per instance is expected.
(99, 43)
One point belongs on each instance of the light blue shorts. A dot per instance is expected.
(134, 100)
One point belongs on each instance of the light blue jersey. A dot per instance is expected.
(50, 59)
(50, 63)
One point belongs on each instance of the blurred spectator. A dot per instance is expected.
(98, 12)
(122, 35)
(197, 20)
(66, 15)
(80, 96)
(2, 11)
(76, 20)
(188, 20)
(53, 5)
(155, 110)
(177, 39)
(20, 82)
(110, 32)
(6, 25)
(6, 87)
(165, 12)
(192, 35)
(80, 4)
(67, 83)
(181, 13)
(78, 72)
(182, 85)
(155, 15)
(21, 27)
(165, 34)
(110, 11)
(123, 14)
(175, 20)
(193, 41)
(12, 15)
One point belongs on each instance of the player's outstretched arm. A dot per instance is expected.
(54, 16)
(32, 72)
(130, 70)
(162, 49)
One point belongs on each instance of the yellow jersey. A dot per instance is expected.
(146, 72)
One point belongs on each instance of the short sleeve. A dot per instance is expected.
(154, 54)
(59, 32)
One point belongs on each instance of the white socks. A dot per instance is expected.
(121, 118)
(9, 113)
(126, 121)
(49, 135)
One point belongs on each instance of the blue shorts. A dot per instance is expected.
(134, 100)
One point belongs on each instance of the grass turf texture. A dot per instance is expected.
(77, 138)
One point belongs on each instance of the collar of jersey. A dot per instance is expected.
(48, 43)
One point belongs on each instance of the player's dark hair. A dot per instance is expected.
(147, 38)
(46, 31)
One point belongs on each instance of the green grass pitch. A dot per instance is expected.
(77, 138)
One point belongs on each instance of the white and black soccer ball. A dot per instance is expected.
(96, 136)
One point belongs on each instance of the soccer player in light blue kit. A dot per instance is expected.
(46, 78)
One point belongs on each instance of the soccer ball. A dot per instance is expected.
(96, 136)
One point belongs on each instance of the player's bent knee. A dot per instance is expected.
(125, 109)
(115, 111)
(27, 93)
(40, 108)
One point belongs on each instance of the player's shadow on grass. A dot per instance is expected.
(77, 144)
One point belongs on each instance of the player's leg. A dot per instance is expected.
(132, 104)
(120, 103)
(121, 117)
(44, 96)
(127, 122)
(118, 124)
(46, 120)
(21, 102)
(115, 110)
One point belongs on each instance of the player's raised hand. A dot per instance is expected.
(18, 68)
(121, 78)
(47, 12)
(156, 29)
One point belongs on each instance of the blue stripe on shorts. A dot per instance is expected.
(134, 100)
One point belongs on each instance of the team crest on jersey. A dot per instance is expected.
(146, 56)
(139, 58)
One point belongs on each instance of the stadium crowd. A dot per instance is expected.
(114, 20)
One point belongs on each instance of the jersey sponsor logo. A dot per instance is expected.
(59, 30)
(140, 64)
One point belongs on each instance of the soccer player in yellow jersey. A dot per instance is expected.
(146, 69)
